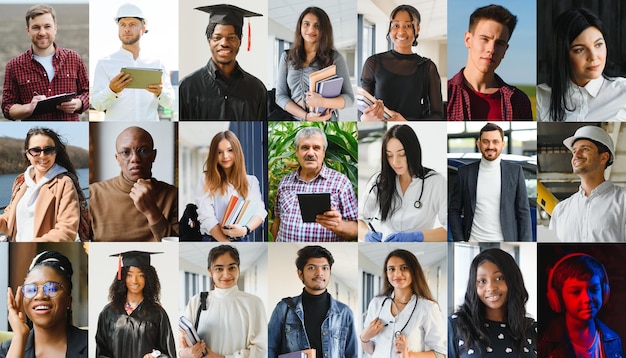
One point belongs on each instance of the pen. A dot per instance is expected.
(371, 226)
(36, 94)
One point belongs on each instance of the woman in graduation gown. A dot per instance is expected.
(134, 324)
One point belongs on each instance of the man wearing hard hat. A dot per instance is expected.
(113, 89)
(597, 212)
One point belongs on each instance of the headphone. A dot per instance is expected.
(554, 300)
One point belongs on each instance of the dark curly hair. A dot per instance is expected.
(151, 290)
(471, 314)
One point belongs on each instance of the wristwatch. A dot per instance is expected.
(156, 353)
(247, 229)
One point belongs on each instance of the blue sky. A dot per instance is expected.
(76, 134)
(519, 65)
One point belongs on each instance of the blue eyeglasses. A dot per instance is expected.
(50, 289)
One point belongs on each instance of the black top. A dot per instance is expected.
(501, 342)
(76, 344)
(405, 83)
(208, 95)
(121, 335)
(315, 309)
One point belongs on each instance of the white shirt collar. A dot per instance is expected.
(592, 87)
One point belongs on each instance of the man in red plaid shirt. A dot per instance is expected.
(44, 70)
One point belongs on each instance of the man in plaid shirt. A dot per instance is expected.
(44, 70)
(337, 224)
(477, 92)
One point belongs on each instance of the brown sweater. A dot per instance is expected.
(115, 217)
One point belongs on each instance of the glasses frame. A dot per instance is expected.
(141, 152)
(49, 150)
(46, 289)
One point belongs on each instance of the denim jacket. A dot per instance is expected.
(555, 342)
(338, 332)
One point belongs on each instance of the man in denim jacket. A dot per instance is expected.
(329, 325)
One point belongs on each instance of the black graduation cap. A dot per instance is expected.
(224, 14)
(132, 258)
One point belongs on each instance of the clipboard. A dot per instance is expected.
(143, 77)
(312, 204)
(50, 104)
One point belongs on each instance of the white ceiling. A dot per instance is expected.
(428, 254)
(433, 14)
(196, 253)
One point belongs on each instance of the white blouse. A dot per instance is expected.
(420, 321)
(600, 100)
(211, 208)
(408, 218)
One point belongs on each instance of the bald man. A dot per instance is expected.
(134, 206)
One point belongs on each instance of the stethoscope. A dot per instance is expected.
(418, 203)
(400, 332)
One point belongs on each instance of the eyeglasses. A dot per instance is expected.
(50, 289)
(229, 38)
(37, 151)
(142, 152)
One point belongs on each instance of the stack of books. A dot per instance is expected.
(364, 99)
(326, 83)
(239, 211)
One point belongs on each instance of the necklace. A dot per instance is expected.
(131, 306)
(400, 302)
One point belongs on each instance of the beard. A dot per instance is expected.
(130, 41)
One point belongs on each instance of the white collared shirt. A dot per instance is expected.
(599, 217)
(131, 104)
(408, 218)
(598, 101)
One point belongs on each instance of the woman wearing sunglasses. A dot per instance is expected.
(44, 202)
(46, 299)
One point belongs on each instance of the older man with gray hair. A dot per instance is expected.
(597, 212)
(337, 224)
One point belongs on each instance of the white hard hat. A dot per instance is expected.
(129, 10)
(594, 133)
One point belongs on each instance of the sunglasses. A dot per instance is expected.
(50, 289)
(37, 151)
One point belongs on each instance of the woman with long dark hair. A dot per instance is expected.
(405, 318)
(405, 82)
(225, 176)
(230, 322)
(405, 198)
(312, 50)
(46, 199)
(46, 299)
(134, 324)
(580, 87)
(492, 321)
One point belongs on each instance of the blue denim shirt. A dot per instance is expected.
(338, 332)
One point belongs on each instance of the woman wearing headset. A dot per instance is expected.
(578, 285)
(405, 197)
(404, 321)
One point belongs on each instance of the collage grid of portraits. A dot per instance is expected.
(267, 269)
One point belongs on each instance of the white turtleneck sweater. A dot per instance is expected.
(486, 226)
(25, 209)
(234, 323)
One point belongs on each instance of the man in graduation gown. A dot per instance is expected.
(222, 89)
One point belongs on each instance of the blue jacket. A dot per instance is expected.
(514, 207)
(286, 332)
(555, 342)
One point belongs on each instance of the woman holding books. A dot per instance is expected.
(45, 201)
(46, 299)
(406, 86)
(229, 322)
(312, 50)
(405, 199)
(223, 181)
(404, 320)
